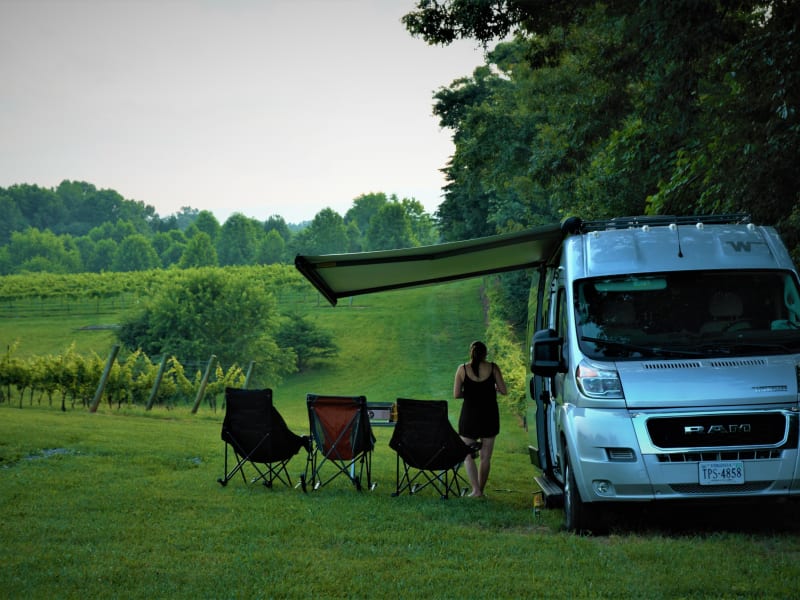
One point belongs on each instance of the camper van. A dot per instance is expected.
(664, 365)
(664, 353)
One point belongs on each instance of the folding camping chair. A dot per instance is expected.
(343, 441)
(429, 449)
(256, 433)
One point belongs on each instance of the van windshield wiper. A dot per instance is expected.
(644, 350)
(729, 348)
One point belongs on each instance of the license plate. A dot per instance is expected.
(721, 473)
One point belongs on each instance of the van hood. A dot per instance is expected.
(717, 382)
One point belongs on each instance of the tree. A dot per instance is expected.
(390, 228)
(423, 227)
(278, 224)
(34, 250)
(272, 249)
(207, 223)
(12, 220)
(135, 253)
(364, 208)
(444, 21)
(101, 256)
(326, 234)
(238, 241)
(212, 311)
(40, 208)
(199, 252)
(169, 246)
(308, 341)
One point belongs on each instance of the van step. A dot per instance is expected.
(553, 494)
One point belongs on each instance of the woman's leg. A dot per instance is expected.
(472, 469)
(487, 447)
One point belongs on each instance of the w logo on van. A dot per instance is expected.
(742, 246)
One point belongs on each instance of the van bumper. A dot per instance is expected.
(605, 448)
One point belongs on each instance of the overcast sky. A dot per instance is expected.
(255, 106)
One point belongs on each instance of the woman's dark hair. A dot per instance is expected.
(477, 354)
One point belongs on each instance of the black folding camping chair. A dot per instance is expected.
(255, 432)
(342, 441)
(429, 451)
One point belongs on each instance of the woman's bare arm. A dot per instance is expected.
(458, 383)
(500, 383)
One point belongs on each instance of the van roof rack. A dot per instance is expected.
(576, 225)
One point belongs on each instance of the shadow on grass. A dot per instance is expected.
(765, 517)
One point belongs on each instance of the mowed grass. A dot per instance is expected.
(406, 343)
(126, 504)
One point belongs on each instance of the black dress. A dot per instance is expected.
(480, 415)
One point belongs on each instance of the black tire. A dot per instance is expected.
(579, 516)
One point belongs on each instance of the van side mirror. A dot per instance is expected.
(546, 353)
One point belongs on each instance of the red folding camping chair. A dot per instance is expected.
(342, 441)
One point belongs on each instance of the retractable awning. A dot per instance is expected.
(343, 275)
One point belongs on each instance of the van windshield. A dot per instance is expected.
(687, 314)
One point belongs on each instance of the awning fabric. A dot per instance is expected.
(343, 275)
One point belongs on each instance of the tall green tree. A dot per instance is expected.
(308, 341)
(325, 235)
(278, 224)
(199, 252)
(207, 223)
(239, 240)
(272, 249)
(43, 251)
(423, 227)
(390, 228)
(135, 253)
(12, 220)
(40, 208)
(364, 208)
(681, 107)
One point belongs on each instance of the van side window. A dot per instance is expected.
(562, 323)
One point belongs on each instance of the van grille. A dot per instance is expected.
(717, 431)
(672, 365)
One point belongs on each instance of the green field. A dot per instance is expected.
(125, 503)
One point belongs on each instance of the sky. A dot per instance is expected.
(261, 107)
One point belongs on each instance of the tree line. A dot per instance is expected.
(615, 108)
(76, 228)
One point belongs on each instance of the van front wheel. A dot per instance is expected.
(579, 516)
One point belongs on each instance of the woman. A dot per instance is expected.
(478, 382)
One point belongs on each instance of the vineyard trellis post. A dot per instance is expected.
(202, 390)
(249, 373)
(104, 378)
(157, 383)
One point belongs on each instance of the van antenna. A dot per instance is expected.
(678, 235)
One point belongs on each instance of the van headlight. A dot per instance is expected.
(598, 381)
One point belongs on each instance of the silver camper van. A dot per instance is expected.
(665, 352)
(665, 359)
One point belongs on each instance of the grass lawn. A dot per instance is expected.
(125, 503)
